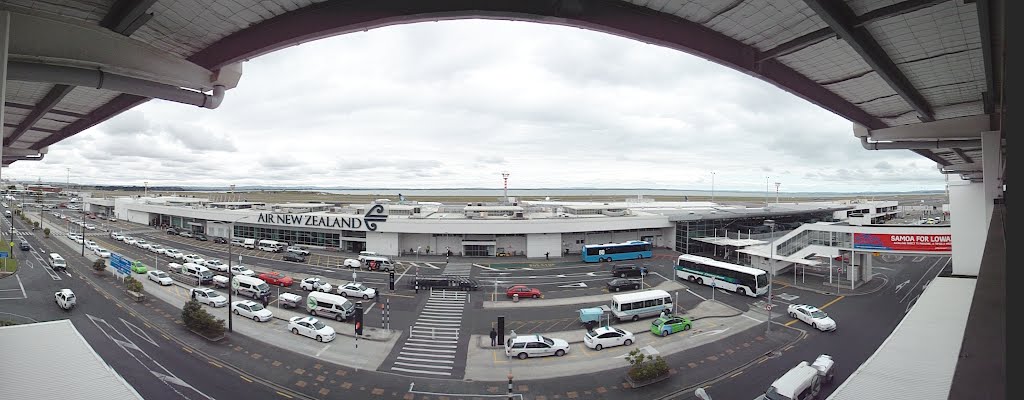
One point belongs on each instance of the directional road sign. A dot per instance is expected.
(120, 263)
(4, 254)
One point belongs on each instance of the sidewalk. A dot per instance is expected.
(667, 286)
(487, 363)
(820, 284)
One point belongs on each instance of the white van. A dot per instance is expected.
(271, 245)
(249, 286)
(800, 383)
(375, 263)
(329, 306)
(364, 254)
(57, 262)
(204, 274)
(249, 243)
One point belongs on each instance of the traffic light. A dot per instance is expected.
(391, 280)
(359, 318)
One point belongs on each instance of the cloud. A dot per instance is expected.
(455, 103)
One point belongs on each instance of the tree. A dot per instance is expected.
(645, 367)
(46, 231)
(35, 224)
(133, 284)
(196, 318)
(99, 265)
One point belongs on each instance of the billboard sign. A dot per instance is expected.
(902, 242)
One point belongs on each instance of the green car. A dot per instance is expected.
(138, 267)
(669, 325)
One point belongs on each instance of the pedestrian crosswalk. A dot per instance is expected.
(458, 269)
(434, 338)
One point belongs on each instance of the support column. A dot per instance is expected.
(991, 164)
(869, 258)
(5, 25)
(968, 222)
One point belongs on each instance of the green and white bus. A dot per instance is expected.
(752, 282)
(633, 306)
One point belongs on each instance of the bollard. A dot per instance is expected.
(515, 298)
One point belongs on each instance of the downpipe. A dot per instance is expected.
(96, 78)
(919, 144)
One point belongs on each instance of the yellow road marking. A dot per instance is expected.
(791, 322)
(215, 364)
(246, 379)
(759, 362)
(831, 302)
(186, 349)
(736, 374)
(282, 394)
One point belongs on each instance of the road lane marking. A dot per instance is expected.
(322, 350)
(831, 302)
(695, 294)
(246, 379)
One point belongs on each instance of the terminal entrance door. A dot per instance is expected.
(478, 249)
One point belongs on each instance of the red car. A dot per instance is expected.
(276, 278)
(523, 292)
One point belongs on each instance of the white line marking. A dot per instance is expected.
(322, 350)
(423, 366)
(139, 332)
(420, 372)
(922, 277)
(695, 294)
(22, 286)
(755, 319)
(425, 360)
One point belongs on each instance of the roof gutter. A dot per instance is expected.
(99, 79)
(919, 144)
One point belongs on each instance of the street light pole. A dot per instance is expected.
(777, 192)
(771, 275)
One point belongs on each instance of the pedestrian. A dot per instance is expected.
(265, 299)
(663, 314)
(547, 255)
(494, 337)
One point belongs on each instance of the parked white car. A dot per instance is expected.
(216, 265)
(311, 327)
(141, 243)
(523, 346)
(116, 236)
(352, 263)
(242, 270)
(101, 252)
(315, 283)
(607, 336)
(174, 253)
(90, 227)
(208, 296)
(155, 248)
(194, 258)
(356, 289)
(811, 315)
(160, 277)
(251, 309)
(91, 245)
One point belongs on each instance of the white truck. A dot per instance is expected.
(802, 382)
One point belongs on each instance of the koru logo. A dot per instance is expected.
(374, 215)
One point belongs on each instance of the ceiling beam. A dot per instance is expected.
(126, 16)
(985, 29)
(819, 35)
(932, 156)
(32, 107)
(37, 129)
(963, 156)
(102, 113)
(841, 19)
(894, 10)
(54, 96)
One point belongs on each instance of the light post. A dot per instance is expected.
(771, 275)
(231, 275)
(712, 186)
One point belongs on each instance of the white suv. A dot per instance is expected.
(534, 346)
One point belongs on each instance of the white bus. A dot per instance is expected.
(752, 282)
(633, 306)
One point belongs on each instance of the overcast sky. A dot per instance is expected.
(455, 103)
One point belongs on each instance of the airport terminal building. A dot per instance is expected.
(533, 229)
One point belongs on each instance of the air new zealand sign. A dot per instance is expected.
(369, 221)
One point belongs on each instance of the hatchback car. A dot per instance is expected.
(294, 257)
(812, 316)
(219, 239)
(24, 245)
(160, 277)
(607, 336)
(208, 296)
(523, 292)
(276, 278)
(670, 324)
(201, 237)
(251, 309)
(524, 346)
(138, 267)
(620, 284)
(311, 327)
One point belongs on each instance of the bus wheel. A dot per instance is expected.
(700, 281)
(636, 318)
(742, 291)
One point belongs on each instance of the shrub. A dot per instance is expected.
(99, 265)
(46, 231)
(35, 224)
(196, 318)
(644, 366)
(133, 284)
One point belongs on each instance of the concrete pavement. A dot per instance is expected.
(488, 363)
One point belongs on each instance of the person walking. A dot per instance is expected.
(546, 255)
(494, 337)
